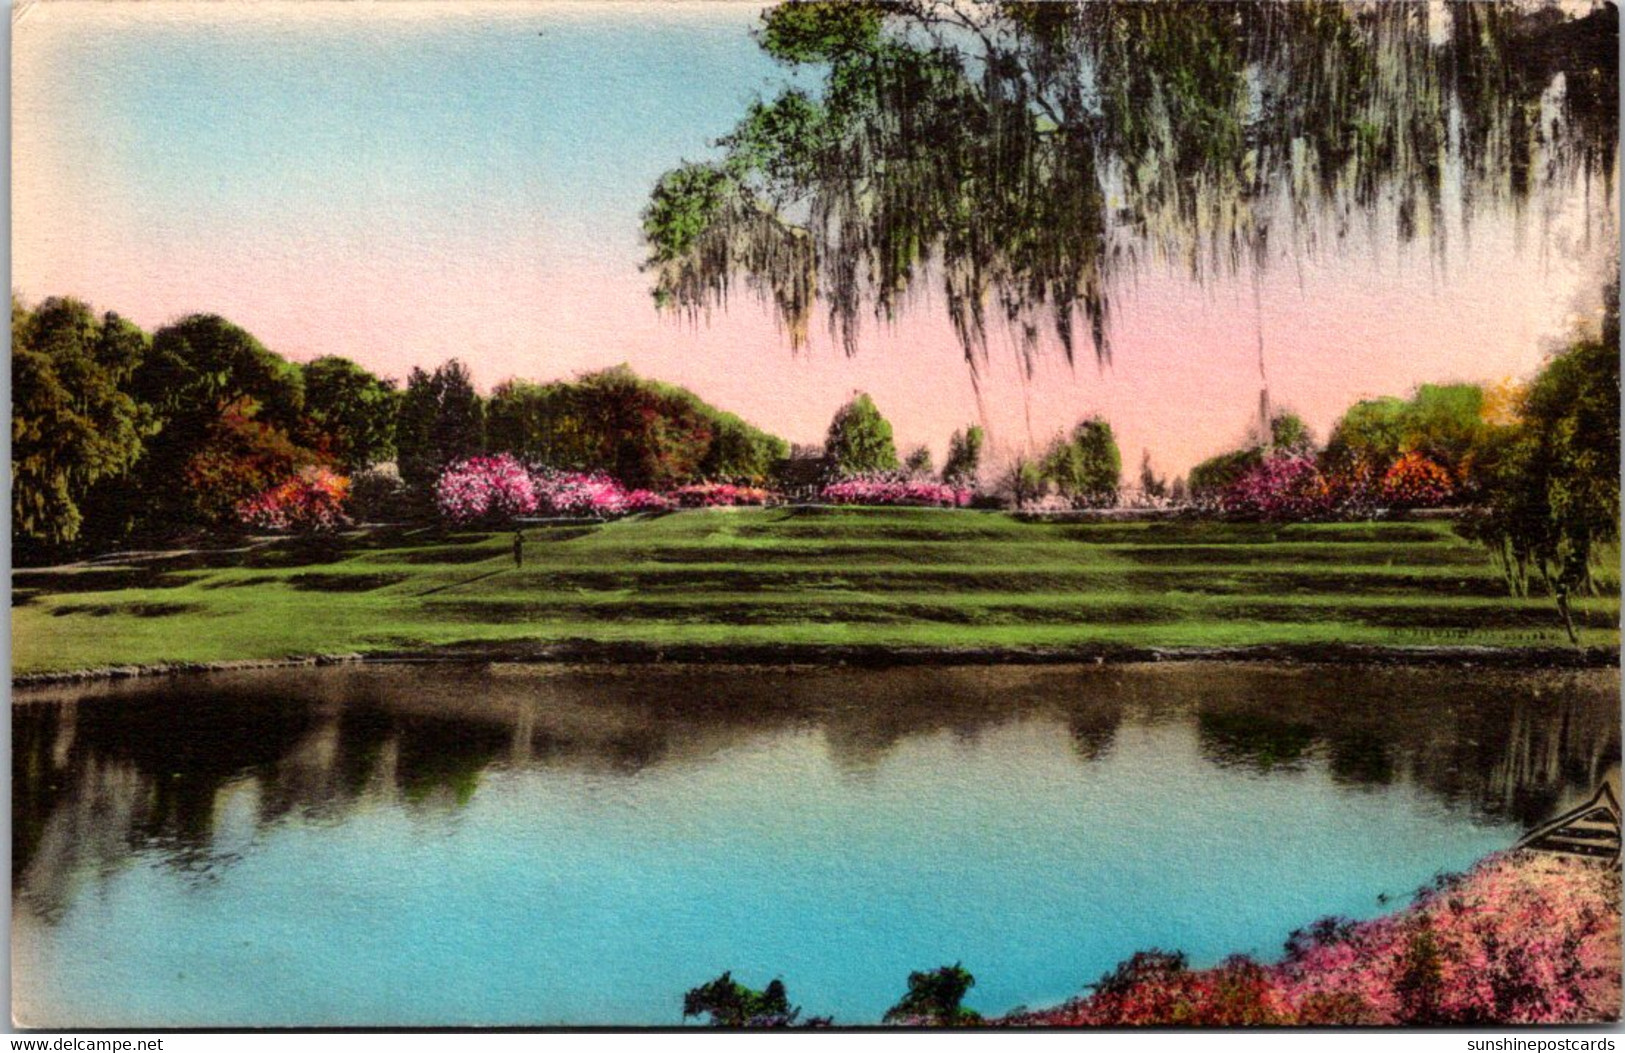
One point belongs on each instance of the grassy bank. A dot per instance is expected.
(795, 577)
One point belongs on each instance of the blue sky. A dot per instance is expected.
(407, 182)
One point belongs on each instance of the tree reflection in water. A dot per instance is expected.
(103, 771)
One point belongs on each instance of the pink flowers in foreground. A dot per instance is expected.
(485, 489)
(1520, 939)
(310, 502)
(915, 492)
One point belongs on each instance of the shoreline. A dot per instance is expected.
(586, 652)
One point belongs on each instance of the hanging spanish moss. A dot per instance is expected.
(1024, 158)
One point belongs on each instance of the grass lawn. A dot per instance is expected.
(908, 577)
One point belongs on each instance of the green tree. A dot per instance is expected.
(1151, 484)
(215, 392)
(918, 461)
(964, 455)
(439, 420)
(71, 425)
(351, 412)
(729, 1003)
(860, 439)
(934, 998)
(1220, 472)
(643, 432)
(1085, 465)
(203, 363)
(1443, 422)
(1289, 434)
(1021, 153)
(1025, 481)
(1549, 483)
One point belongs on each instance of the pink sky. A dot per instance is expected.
(392, 277)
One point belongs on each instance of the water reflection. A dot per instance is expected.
(101, 771)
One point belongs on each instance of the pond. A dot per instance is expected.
(511, 844)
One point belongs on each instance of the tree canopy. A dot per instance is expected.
(1086, 464)
(72, 425)
(964, 455)
(1549, 481)
(934, 998)
(1024, 157)
(440, 419)
(728, 1003)
(1443, 422)
(643, 432)
(351, 411)
(860, 439)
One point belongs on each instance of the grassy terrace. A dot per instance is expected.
(921, 578)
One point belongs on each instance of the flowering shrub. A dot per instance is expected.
(377, 493)
(720, 495)
(309, 502)
(882, 491)
(1285, 486)
(485, 489)
(1354, 488)
(1520, 939)
(1154, 988)
(577, 493)
(590, 494)
(646, 501)
(1414, 481)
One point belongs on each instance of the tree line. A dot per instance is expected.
(120, 434)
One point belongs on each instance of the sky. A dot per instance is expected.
(402, 183)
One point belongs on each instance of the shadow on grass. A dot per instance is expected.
(62, 582)
(344, 582)
(136, 610)
(458, 584)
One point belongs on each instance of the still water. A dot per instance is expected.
(507, 844)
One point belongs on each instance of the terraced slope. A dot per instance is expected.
(796, 577)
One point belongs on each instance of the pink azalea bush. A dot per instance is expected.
(721, 495)
(590, 494)
(1522, 938)
(1284, 486)
(887, 491)
(485, 489)
(310, 502)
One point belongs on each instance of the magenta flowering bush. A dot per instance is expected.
(1523, 938)
(485, 489)
(577, 493)
(646, 501)
(1284, 486)
(891, 491)
(309, 502)
(721, 495)
(590, 494)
